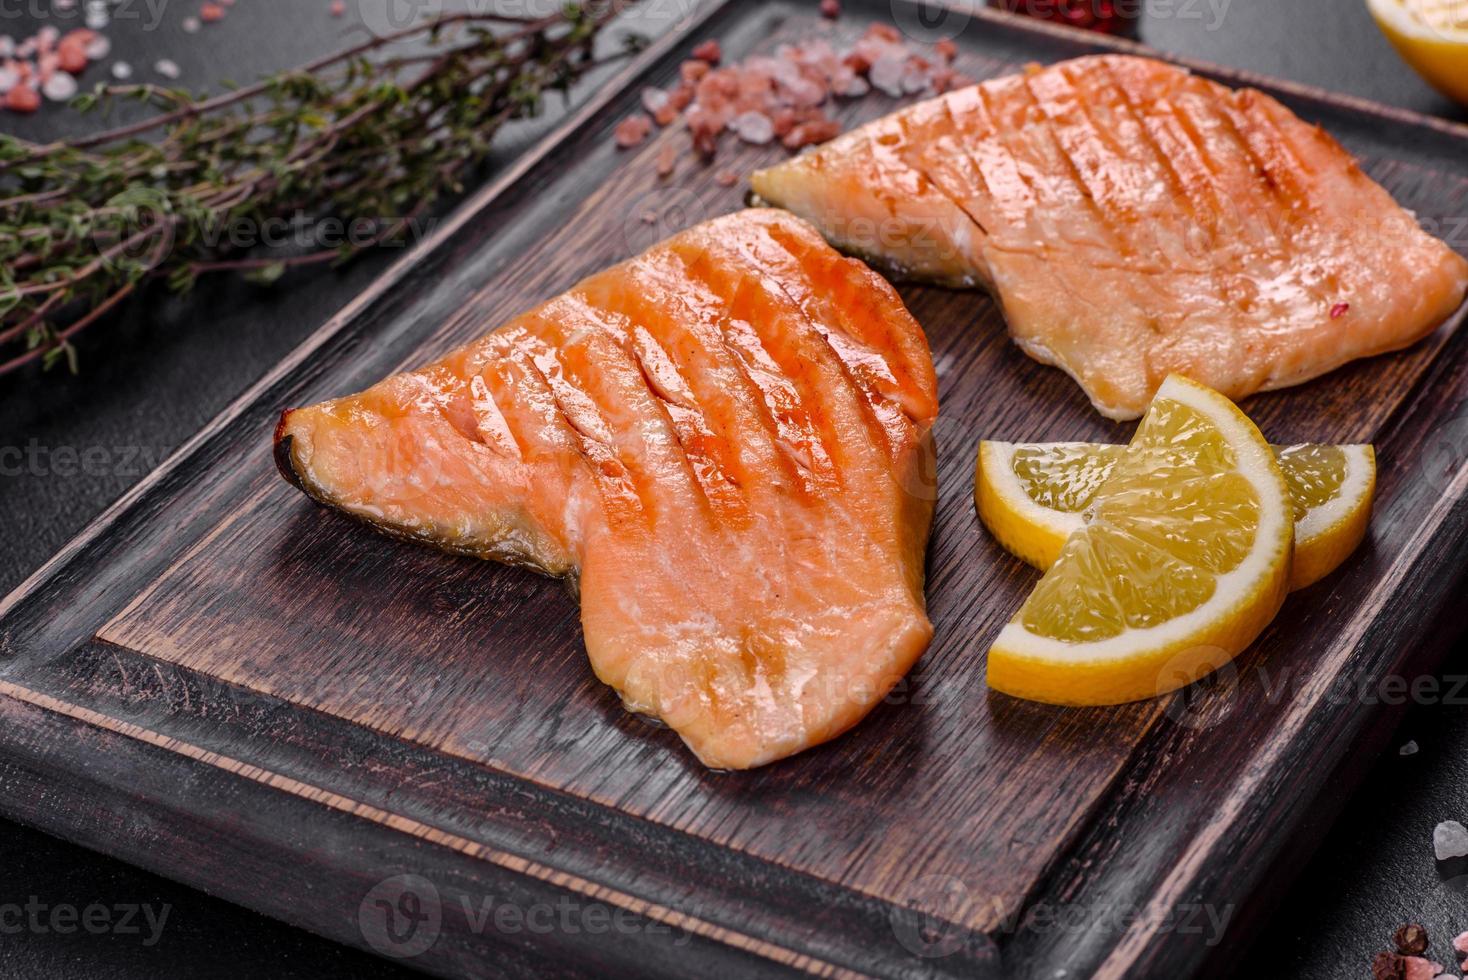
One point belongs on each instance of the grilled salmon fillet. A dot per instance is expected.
(1134, 221)
(723, 444)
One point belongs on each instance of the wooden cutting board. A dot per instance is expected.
(226, 684)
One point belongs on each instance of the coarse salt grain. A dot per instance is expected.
(121, 70)
(22, 98)
(59, 86)
(886, 74)
(1421, 969)
(654, 100)
(765, 98)
(753, 127)
(1411, 748)
(632, 131)
(667, 159)
(166, 68)
(1450, 840)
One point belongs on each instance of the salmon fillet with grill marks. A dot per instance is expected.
(1133, 221)
(724, 444)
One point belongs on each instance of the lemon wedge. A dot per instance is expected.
(1031, 497)
(1432, 37)
(1182, 558)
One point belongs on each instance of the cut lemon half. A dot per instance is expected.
(1032, 497)
(1182, 559)
(1432, 37)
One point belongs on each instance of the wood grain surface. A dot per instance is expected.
(341, 692)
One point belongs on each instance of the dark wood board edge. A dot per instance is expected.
(484, 200)
(540, 831)
(216, 824)
(1243, 859)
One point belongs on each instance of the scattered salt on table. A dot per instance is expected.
(1450, 840)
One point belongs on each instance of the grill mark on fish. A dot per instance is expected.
(1194, 112)
(855, 367)
(607, 352)
(869, 370)
(688, 421)
(703, 325)
(593, 439)
(815, 352)
(794, 436)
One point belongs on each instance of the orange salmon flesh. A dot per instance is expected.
(1134, 221)
(723, 444)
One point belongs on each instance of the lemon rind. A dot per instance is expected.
(1244, 599)
(1032, 532)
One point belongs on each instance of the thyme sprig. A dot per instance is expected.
(374, 135)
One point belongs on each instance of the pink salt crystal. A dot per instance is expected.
(887, 73)
(692, 71)
(338, 8)
(946, 49)
(753, 127)
(1461, 944)
(709, 51)
(1421, 969)
(680, 97)
(632, 131)
(726, 178)
(884, 32)
(830, 9)
(667, 159)
(705, 126)
(654, 100)
(211, 12)
(22, 98)
(804, 91)
(915, 80)
(808, 133)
